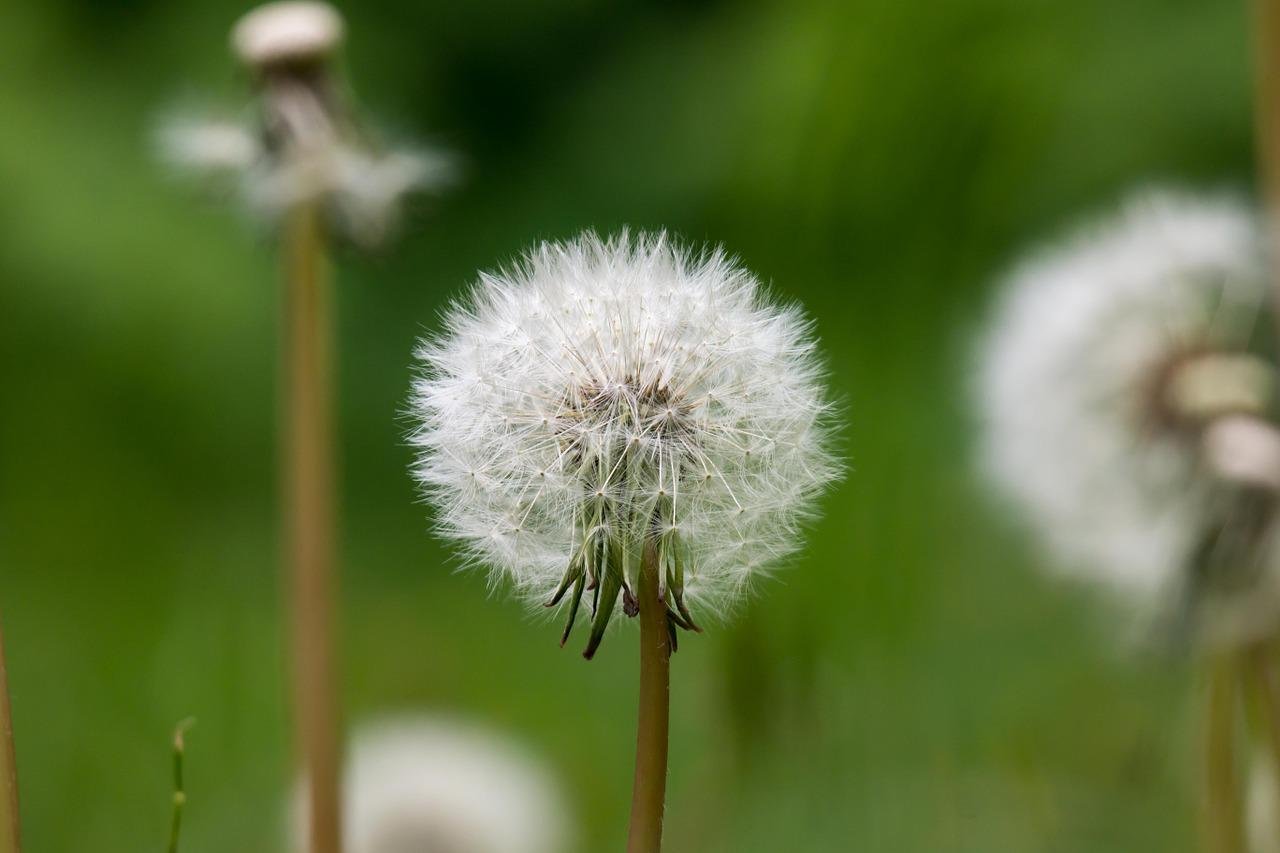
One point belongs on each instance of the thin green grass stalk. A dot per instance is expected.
(10, 821)
(179, 787)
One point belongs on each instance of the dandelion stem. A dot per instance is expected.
(10, 825)
(309, 499)
(1267, 117)
(1223, 829)
(650, 787)
(1262, 675)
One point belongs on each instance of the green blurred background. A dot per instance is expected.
(911, 683)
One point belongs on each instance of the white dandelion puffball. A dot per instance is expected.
(602, 398)
(1101, 355)
(426, 785)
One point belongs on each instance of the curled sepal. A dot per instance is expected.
(574, 604)
(675, 588)
(672, 634)
(679, 621)
(611, 579)
(572, 575)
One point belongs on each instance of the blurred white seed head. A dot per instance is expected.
(1107, 359)
(427, 785)
(303, 148)
(604, 395)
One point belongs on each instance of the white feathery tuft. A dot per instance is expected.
(605, 394)
(1075, 373)
(363, 188)
(425, 784)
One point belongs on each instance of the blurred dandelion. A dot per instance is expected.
(1125, 388)
(1127, 385)
(417, 784)
(305, 164)
(306, 147)
(630, 420)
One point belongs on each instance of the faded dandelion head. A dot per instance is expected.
(305, 146)
(602, 398)
(424, 784)
(1125, 400)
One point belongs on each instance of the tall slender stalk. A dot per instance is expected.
(179, 786)
(650, 786)
(1267, 152)
(10, 825)
(309, 498)
(1267, 108)
(1266, 695)
(1223, 828)
(1267, 691)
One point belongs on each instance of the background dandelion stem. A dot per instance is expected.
(1267, 115)
(650, 787)
(1266, 694)
(10, 825)
(1223, 827)
(310, 516)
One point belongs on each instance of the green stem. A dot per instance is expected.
(309, 487)
(179, 788)
(1223, 827)
(10, 824)
(1262, 675)
(650, 787)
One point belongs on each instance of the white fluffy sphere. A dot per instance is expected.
(605, 395)
(429, 785)
(1078, 370)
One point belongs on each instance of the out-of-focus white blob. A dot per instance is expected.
(209, 147)
(1244, 449)
(289, 31)
(362, 189)
(1105, 360)
(429, 785)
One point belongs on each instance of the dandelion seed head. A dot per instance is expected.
(425, 784)
(305, 147)
(1104, 355)
(613, 393)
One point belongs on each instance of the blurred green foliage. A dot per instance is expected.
(910, 683)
